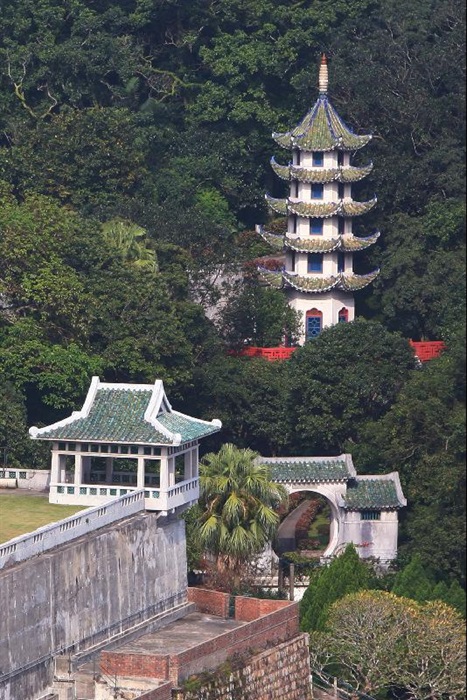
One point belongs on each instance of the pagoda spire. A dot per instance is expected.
(323, 75)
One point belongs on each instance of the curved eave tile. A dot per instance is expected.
(273, 279)
(352, 283)
(277, 205)
(312, 245)
(320, 175)
(310, 284)
(276, 240)
(352, 244)
(321, 210)
(357, 208)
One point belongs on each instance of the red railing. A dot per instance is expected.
(279, 353)
(427, 350)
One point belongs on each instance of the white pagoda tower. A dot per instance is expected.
(319, 242)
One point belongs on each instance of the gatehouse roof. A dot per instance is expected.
(374, 492)
(127, 413)
(310, 469)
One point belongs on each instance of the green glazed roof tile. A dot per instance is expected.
(353, 243)
(307, 469)
(321, 210)
(310, 284)
(353, 282)
(321, 130)
(371, 494)
(341, 174)
(123, 414)
(312, 245)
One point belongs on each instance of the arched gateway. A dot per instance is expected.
(364, 508)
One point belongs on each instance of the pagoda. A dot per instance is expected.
(319, 242)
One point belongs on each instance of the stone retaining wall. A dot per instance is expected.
(84, 592)
(280, 673)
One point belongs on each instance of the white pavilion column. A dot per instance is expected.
(140, 473)
(62, 468)
(55, 467)
(164, 471)
(78, 469)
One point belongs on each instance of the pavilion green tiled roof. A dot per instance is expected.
(320, 175)
(374, 494)
(321, 130)
(307, 470)
(120, 415)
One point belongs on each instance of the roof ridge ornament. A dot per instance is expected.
(323, 80)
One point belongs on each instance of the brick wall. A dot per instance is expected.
(210, 602)
(135, 665)
(248, 609)
(278, 624)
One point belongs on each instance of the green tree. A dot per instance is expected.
(413, 581)
(255, 315)
(424, 435)
(377, 640)
(239, 504)
(347, 573)
(347, 377)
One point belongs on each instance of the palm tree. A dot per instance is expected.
(238, 501)
(130, 241)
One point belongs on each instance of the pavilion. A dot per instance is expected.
(126, 437)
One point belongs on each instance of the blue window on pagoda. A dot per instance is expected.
(341, 190)
(341, 226)
(314, 323)
(316, 226)
(318, 159)
(340, 262)
(317, 191)
(315, 262)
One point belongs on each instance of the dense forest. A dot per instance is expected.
(135, 140)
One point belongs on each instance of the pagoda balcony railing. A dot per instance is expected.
(155, 498)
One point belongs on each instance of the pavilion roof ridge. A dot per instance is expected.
(122, 412)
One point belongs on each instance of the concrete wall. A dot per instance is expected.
(34, 479)
(84, 592)
(372, 538)
(49, 536)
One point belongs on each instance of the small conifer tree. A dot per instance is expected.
(345, 574)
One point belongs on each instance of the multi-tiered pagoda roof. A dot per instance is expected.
(320, 131)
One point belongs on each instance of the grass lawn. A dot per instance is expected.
(20, 514)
